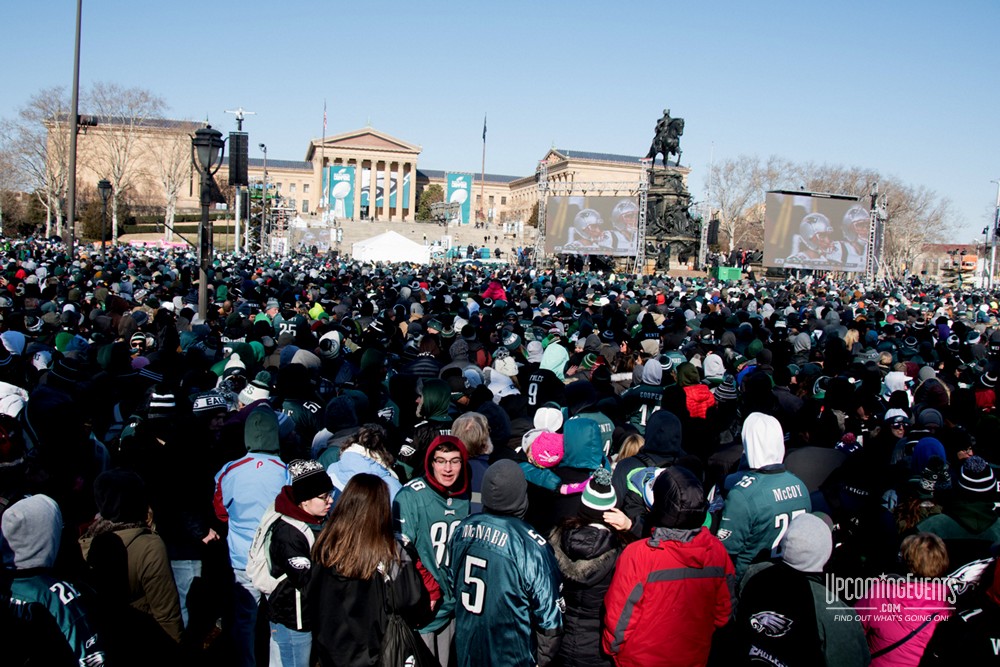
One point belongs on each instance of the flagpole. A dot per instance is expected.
(322, 160)
(482, 178)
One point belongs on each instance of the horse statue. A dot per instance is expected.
(666, 141)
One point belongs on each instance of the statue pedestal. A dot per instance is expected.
(672, 235)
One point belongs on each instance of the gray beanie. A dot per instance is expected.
(807, 544)
(261, 431)
(505, 490)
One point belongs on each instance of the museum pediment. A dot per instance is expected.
(367, 139)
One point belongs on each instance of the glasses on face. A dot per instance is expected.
(324, 497)
(447, 463)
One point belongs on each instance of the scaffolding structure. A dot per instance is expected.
(874, 268)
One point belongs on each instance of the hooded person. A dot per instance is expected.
(504, 578)
(554, 358)
(641, 401)
(663, 448)
(366, 452)
(680, 577)
(763, 502)
(427, 510)
(433, 404)
(43, 606)
(244, 488)
(698, 397)
(124, 521)
(786, 611)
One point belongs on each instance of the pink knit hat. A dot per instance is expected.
(547, 450)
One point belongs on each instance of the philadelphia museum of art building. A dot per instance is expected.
(366, 174)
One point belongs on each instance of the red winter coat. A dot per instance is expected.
(683, 586)
(699, 399)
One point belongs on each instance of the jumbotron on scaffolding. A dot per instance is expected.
(624, 236)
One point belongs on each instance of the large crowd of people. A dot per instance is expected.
(347, 464)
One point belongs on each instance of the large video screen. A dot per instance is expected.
(808, 231)
(591, 225)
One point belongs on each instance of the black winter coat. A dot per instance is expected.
(586, 556)
(348, 616)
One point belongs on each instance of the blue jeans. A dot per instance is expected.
(185, 572)
(245, 600)
(294, 646)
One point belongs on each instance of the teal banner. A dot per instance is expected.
(459, 192)
(406, 191)
(338, 191)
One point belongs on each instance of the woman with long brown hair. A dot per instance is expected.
(355, 559)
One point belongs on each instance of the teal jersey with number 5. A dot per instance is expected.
(506, 582)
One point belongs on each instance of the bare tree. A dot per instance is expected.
(736, 195)
(123, 114)
(174, 167)
(38, 143)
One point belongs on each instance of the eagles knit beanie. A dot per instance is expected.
(977, 476)
(259, 389)
(309, 480)
(598, 496)
(808, 543)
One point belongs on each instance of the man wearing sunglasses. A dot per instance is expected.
(427, 510)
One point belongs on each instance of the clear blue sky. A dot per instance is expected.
(907, 88)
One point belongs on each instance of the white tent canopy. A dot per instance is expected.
(390, 247)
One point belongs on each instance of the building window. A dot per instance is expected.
(278, 186)
(305, 205)
(479, 200)
(291, 187)
(305, 188)
(491, 201)
(503, 201)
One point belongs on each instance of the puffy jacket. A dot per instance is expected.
(586, 557)
(289, 556)
(699, 399)
(677, 579)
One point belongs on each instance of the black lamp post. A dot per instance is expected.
(104, 187)
(207, 148)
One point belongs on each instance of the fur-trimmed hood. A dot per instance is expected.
(585, 554)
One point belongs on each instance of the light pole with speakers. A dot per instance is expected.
(207, 148)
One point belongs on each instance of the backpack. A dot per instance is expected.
(259, 557)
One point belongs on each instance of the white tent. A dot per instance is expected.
(390, 247)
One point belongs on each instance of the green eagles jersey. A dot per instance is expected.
(607, 427)
(758, 510)
(426, 519)
(640, 402)
(505, 583)
(64, 603)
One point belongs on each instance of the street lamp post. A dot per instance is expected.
(993, 244)
(263, 200)
(207, 146)
(104, 187)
